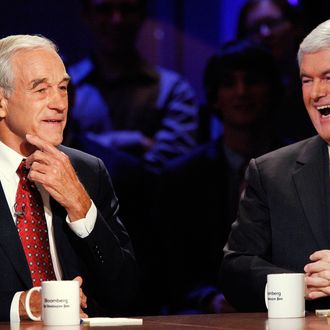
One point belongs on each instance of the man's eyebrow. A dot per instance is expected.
(37, 82)
(323, 73)
(67, 78)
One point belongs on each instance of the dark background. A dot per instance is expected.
(179, 34)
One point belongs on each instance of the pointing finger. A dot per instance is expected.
(41, 144)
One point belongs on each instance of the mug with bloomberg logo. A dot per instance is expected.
(285, 295)
(60, 303)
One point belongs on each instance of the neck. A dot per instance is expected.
(248, 142)
(116, 62)
(15, 143)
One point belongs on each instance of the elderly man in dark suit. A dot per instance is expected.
(83, 237)
(283, 218)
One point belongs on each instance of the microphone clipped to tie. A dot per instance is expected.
(18, 213)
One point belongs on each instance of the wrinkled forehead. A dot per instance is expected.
(36, 55)
(29, 64)
(315, 63)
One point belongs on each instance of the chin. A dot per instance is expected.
(55, 141)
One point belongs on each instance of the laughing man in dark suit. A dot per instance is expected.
(283, 220)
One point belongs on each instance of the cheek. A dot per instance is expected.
(224, 97)
(285, 31)
(259, 93)
(18, 124)
(306, 96)
(223, 108)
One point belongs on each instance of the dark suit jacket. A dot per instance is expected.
(283, 218)
(104, 259)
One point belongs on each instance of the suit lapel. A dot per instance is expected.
(311, 179)
(10, 242)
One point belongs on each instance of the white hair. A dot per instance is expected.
(12, 44)
(316, 40)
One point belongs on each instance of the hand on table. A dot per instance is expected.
(35, 305)
(35, 302)
(83, 298)
(317, 276)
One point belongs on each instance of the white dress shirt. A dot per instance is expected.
(9, 162)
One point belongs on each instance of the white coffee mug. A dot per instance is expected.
(285, 295)
(60, 303)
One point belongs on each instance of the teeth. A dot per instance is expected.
(323, 107)
(324, 110)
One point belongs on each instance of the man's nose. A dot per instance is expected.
(116, 16)
(319, 89)
(240, 87)
(58, 101)
(264, 30)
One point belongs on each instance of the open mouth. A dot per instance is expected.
(324, 110)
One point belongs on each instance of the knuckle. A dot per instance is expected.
(56, 163)
(63, 157)
(38, 153)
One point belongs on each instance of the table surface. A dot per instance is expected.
(230, 321)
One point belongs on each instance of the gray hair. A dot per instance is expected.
(10, 46)
(316, 40)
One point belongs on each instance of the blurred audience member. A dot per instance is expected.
(132, 115)
(201, 190)
(122, 101)
(278, 25)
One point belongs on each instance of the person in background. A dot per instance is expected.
(133, 115)
(200, 191)
(279, 26)
(283, 220)
(122, 102)
(59, 211)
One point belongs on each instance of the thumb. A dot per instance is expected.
(79, 279)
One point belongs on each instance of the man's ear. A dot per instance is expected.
(3, 104)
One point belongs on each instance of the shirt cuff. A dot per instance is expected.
(14, 308)
(83, 227)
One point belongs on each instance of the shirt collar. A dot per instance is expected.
(9, 160)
